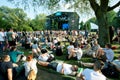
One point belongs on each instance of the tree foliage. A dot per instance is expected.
(39, 22)
(17, 19)
(12, 18)
(116, 20)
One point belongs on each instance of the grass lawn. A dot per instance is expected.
(48, 74)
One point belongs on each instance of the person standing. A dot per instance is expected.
(111, 32)
(118, 33)
(11, 37)
(2, 39)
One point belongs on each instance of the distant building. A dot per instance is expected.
(62, 21)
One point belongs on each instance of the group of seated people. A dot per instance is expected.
(10, 69)
(42, 57)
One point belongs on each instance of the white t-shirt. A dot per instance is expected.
(69, 48)
(66, 68)
(1, 36)
(90, 74)
(44, 57)
(55, 41)
(79, 53)
(30, 65)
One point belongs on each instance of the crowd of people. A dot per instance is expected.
(45, 46)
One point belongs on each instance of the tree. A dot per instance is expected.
(39, 22)
(101, 11)
(82, 25)
(85, 26)
(100, 8)
(116, 20)
(110, 16)
(13, 18)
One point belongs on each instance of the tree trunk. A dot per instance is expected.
(103, 27)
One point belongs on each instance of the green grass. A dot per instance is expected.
(63, 58)
(87, 59)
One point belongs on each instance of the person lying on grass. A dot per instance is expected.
(45, 56)
(63, 68)
(92, 74)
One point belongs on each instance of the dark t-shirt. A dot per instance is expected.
(59, 51)
(4, 66)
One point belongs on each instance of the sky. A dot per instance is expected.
(31, 13)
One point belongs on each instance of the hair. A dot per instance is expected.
(58, 43)
(71, 43)
(35, 42)
(108, 45)
(75, 67)
(99, 64)
(29, 57)
(75, 45)
(1, 29)
(5, 57)
(43, 51)
(13, 48)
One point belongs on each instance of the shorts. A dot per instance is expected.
(53, 65)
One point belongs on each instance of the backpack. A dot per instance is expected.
(110, 71)
(31, 75)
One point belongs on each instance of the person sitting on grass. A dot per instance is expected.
(59, 51)
(15, 55)
(35, 49)
(63, 68)
(94, 49)
(76, 53)
(106, 54)
(69, 50)
(7, 69)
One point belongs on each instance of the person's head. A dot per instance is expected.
(1, 29)
(108, 45)
(119, 57)
(95, 42)
(35, 42)
(58, 43)
(74, 68)
(71, 43)
(75, 45)
(13, 48)
(6, 58)
(98, 65)
(11, 29)
(43, 51)
(29, 57)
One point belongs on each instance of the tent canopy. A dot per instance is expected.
(93, 26)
